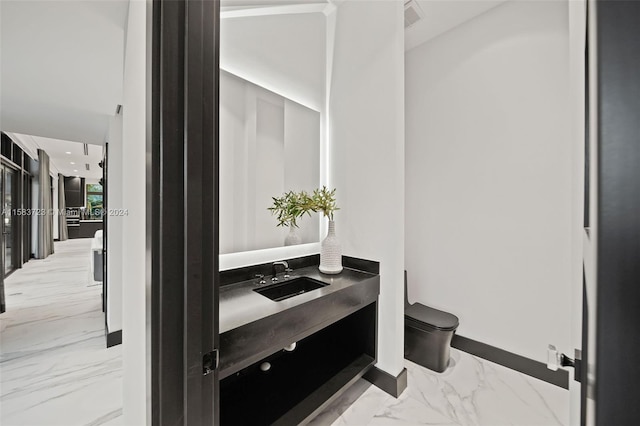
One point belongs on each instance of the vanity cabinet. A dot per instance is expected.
(334, 331)
(300, 383)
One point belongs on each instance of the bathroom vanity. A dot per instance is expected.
(264, 377)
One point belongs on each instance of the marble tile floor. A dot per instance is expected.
(55, 368)
(472, 391)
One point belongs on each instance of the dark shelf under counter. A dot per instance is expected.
(301, 383)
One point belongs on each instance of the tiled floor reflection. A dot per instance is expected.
(55, 368)
(471, 391)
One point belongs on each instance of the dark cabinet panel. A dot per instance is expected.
(290, 387)
(6, 146)
(74, 191)
(72, 184)
(17, 155)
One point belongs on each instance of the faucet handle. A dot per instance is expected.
(261, 277)
(286, 272)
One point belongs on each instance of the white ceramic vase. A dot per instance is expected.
(292, 237)
(331, 252)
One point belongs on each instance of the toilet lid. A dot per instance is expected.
(433, 317)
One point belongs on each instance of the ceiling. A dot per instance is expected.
(65, 157)
(61, 67)
(441, 16)
(61, 61)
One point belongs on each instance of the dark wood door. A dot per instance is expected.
(183, 209)
(617, 238)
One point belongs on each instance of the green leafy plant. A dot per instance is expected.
(293, 205)
(290, 207)
(323, 200)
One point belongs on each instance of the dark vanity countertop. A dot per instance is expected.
(253, 326)
(240, 305)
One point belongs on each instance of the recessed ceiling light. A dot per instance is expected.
(68, 152)
(73, 162)
(75, 170)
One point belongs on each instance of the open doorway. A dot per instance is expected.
(55, 297)
(60, 327)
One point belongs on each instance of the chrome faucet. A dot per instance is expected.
(275, 269)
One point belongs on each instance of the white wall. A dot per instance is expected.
(134, 338)
(302, 161)
(115, 240)
(235, 173)
(54, 82)
(367, 153)
(267, 153)
(489, 176)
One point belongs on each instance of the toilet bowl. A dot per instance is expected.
(427, 335)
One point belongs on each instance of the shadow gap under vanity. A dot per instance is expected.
(334, 329)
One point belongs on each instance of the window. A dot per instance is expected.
(94, 202)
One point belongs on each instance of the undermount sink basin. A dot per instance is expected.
(289, 288)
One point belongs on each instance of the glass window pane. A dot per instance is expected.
(94, 201)
(94, 187)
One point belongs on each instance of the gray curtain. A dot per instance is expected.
(63, 232)
(45, 203)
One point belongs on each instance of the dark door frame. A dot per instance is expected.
(182, 200)
(618, 215)
(7, 167)
(105, 240)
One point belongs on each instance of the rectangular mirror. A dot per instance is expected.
(273, 80)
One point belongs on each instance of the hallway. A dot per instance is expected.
(55, 368)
